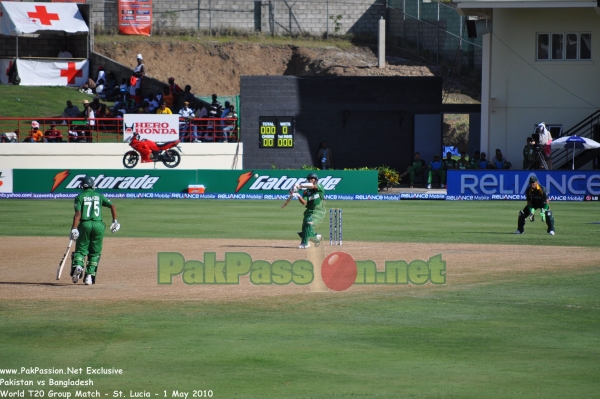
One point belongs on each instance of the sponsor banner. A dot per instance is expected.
(6, 181)
(129, 10)
(52, 73)
(231, 184)
(422, 196)
(562, 185)
(151, 126)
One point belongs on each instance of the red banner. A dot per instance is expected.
(135, 17)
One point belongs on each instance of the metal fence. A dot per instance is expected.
(437, 33)
(272, 17)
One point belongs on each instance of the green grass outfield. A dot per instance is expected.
(530, 335)
(483, 222)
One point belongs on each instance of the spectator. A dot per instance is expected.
(10, 137)
(436, 168)
(65, 53)
(70, 111)
(111, 82)
(483, 163)
(101, 75)
(449, 163)
(202, 112)
(174, 86)
(214, 111)
(230, 124)
(324, 156)
(35, 134)
(499, 162)
(53, 135)
(473, 161)
(138, 74)
(163, 109)
(226, 110)
(528, 153)
(90, 119)
(416, 168)
(95, 105)
(463, 162)
(168, 97)
(188, 95)
(125, 106)
(187, 114)
(137, 98)
(117, 93)
(151, 104)
(545, 140)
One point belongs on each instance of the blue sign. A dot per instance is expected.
(567, 185)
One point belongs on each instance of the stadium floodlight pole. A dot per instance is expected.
(327, 21)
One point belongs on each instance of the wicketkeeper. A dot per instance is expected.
(314, 200)
(88, 230)
(537, 198)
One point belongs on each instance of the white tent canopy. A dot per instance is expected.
(20, 18)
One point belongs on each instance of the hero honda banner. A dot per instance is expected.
(153, 127)
(221, 184)
(135, 17)
(562, 185)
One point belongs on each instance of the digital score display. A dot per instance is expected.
(276, 132)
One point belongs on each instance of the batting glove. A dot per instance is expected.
(296, 188)
(74, 234)
(296, 195)
(115, 226)
(543, 213)
(531, 211)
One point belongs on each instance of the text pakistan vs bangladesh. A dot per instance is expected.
(39, 385)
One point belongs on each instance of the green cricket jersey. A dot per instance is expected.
(90, 204)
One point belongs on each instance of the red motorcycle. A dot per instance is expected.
(149, 151)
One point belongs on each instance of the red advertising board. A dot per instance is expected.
(135, 17)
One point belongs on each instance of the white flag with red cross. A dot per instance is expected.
(53, 73)
(19, 18)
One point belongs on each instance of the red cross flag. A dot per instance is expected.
(19, 18)
(53, 73)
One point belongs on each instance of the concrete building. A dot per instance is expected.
(540, 63)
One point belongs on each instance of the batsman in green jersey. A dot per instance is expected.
(88, 230)
(314, 200)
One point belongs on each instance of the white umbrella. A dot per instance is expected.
(575, 143)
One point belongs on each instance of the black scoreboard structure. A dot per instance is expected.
(276, 131)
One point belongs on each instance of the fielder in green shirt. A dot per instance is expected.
(313, 199)
(537, 198)
(88, 230)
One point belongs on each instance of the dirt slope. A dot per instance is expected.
(215, 68)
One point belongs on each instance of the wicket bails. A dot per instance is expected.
(335, 226)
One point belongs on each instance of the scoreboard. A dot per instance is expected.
(276, 131)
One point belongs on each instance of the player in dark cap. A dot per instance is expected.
(537, 198)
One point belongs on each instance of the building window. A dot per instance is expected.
(564, 46)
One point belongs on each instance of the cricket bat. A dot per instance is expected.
(63, 260)
(287, 201)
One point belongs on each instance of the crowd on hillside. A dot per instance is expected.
(195, 115)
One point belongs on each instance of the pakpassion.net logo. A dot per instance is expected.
(339, 271)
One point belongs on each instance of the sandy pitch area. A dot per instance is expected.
(128, 269)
